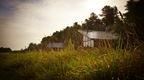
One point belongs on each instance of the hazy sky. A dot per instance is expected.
(25, 21)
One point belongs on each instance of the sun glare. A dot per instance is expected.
(94, 5)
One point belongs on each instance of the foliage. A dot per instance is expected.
(135, 17)
(70, 46)
(63, 36)
(109, 14)
(93, 23)
(90, 64)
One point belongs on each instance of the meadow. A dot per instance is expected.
(70, 64)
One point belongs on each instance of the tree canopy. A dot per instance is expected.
(135, 16)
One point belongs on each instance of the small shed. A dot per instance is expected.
(97, 38)
(55, 45)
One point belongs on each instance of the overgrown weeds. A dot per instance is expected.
(90, 64)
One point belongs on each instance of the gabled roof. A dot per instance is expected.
(98, 34)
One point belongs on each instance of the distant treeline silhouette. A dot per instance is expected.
(2, 49)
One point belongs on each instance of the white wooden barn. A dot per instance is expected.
(93, 38)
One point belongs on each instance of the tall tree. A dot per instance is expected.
(109, 15)
(135, 16)
(93, 23)
(32, 46)
(76, 25)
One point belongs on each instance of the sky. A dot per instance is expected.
(25, 21)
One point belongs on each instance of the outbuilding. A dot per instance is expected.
(97, 38)
(55, 45)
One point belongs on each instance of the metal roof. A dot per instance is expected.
(98, 34)
(56, 45)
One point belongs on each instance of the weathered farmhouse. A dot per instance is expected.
(97, 38)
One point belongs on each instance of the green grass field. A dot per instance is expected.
(88, 64)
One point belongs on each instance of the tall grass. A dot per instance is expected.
(90, 64)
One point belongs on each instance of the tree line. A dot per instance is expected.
(129, 26)
(2, 50)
